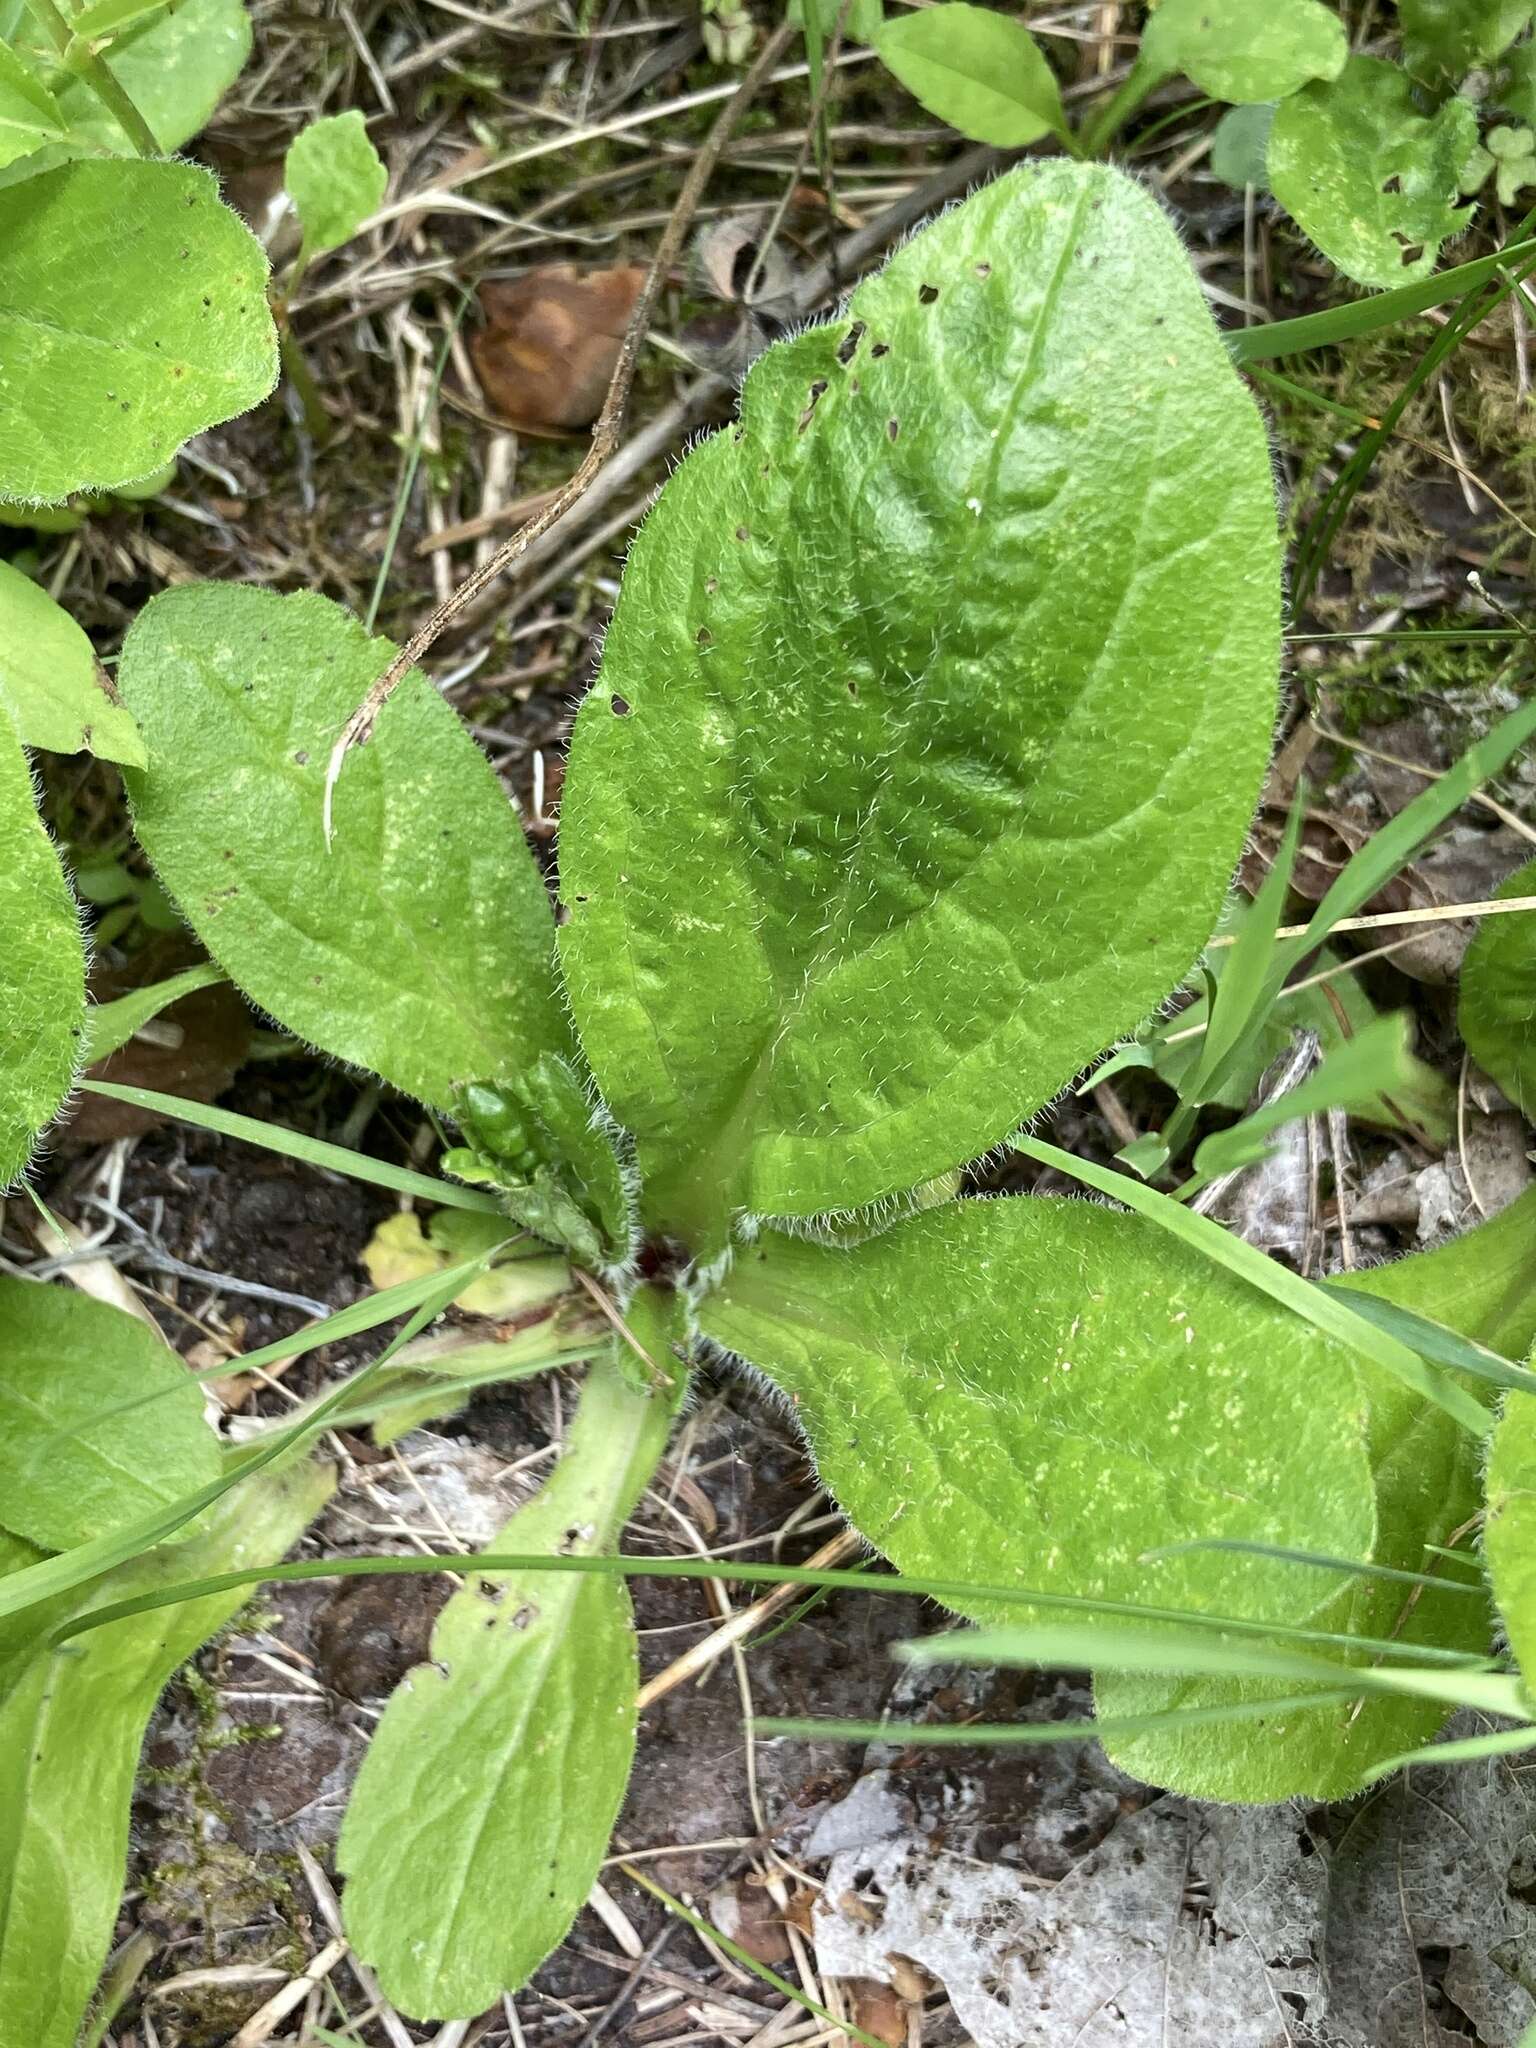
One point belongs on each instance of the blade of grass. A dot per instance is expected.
(836, 1580)
(293, 1145)
(1328, 1311)
(1470, 1749)
(1036, 1734)
(1434, 1341)
(1354, 1566)
(1368, 316)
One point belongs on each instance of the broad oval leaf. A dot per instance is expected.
(981, 71)
(100, 1422)
(72, 1723)
(1050, 1394)
(51, 682)
(175, 68)
(335, 178)
(1239, 144)
(1244, 53)
(420, 943)
(489, 1791)
(133, 314)
(1497, 1011)
(42, 968)
(932, 714)
(1373, 181)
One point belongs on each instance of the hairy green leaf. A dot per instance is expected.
(980, 71)
(51, 682)
(931, 717)
(175, 68)
(1509, 1530)
(420, 942)
(1050, 1392)
(1445, 39)
(29, 114)
(1425, 1471)
(1246, 53)
(1497, 1010)
(335, 178)
(1370, 178)
(133, 314)
(67, 1471)
(42, 968)
(497, 1771)
(72, 1721)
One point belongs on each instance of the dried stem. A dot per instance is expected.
(605, 435)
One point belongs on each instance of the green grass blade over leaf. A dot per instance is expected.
(251, 1130)
(68, 1471)
(1311, 1303)
(420, 943)
(133, 314)
(850, 733)
(1044, 1390)
(508, 1754)
(42, 967)
(71, 1724)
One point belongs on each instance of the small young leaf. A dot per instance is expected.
(42, 968)
(109, 1026)
(67, 1471)
(1498, 996)
(420, 942)
(133, 314)
(1048, 1392)
(335, 178)
(1240, 145)
(852, 737)
(1246, 53)
(979, 70)
(51, 682)
(72, 1722)
(1372, 180)
(490, 1788)
(29, 114)
(1445, 39)
(175, 67)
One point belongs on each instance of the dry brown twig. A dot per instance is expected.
(605, 435)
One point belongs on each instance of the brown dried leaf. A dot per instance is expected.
(546, 354)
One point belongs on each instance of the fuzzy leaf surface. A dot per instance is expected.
(1509, 1536)
(1497, 1011)
(42, 967)
(50, 681)
(1246, 54)
(133, 314)
(29, 114)
(70, 1468)
(490, 1789)
(1370, 178)
(1050, 1392)
(1425, 1472)
(981, 71)
(335, 178)
(898, 794)
(72, 1722)
(420, 943)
